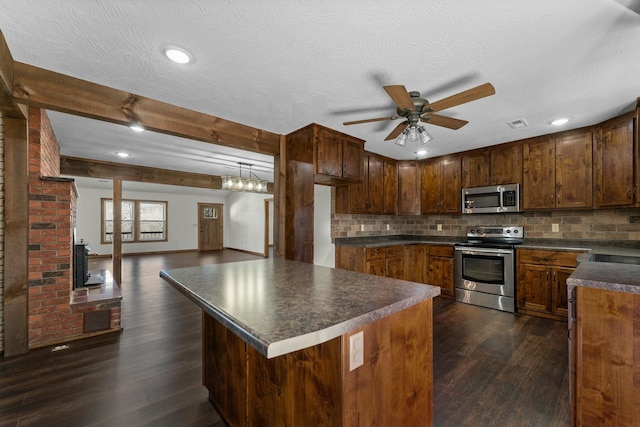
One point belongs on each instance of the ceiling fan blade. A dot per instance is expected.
(396, 131)
(444, 121)
(469, 95)
(379, 119)
(400, 96)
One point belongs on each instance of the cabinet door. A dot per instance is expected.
(475, 168)
(534, 287)
(417, 265)
(574, 172)
(506, 164)
(451, 196)
(441, 274)
(395, 268)
(431, 187)
(352, 159)
(375, 185)
(357, 198)
(538, 181)
(328, 154)
(614, 164)
(559, 299)
(377, 268)
(408, 188)
(390, 182)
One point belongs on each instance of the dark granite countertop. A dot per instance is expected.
(397, 239)
(280, 306)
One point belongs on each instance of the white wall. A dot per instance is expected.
(324, 252)
(182, 216)
(244, 221)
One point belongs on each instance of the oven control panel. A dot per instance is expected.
(495, 232)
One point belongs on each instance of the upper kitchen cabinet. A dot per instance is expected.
(557, 171)
(506, 164)
(390, 183)
(409, 186)
(377, 194)
(337, 157)
(441, 185)
(497, 165)
(476, 168)
(615, 160)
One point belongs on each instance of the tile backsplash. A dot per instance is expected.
(608, 224)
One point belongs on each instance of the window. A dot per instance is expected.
(142, 221)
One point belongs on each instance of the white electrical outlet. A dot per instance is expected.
(388, 227)
(555, 228)
(361, 227)
(439, 227)
(356, 350)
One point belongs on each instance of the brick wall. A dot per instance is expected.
(1, 233)
(51, 214)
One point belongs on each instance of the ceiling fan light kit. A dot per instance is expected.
(414, 135)
(414, 109)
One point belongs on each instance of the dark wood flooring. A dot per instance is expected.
(490, 368)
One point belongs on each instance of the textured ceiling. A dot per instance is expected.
(282, 64)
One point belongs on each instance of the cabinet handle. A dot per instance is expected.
(547, 275)
(551, 199)
(629, 192)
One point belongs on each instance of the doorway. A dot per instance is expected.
(268, 230)
(210, 231)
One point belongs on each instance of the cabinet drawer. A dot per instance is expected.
(395, 251)
(446, 251)
(543, 257)
(376, 253)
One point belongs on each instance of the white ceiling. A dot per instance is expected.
(279, 65)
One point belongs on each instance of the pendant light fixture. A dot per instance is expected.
(250, 183)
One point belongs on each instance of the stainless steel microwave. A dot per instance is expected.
(491, 199)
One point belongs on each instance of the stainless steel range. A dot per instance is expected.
(485, 266)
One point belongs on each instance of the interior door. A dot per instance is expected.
(210, 226)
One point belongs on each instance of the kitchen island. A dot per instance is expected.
(604, 339)
(290, 343)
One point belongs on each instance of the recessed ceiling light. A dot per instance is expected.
(177, 55)
(123, 154)
(137, 128)
(421, 152)
(560, 121)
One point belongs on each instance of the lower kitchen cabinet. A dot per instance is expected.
(432, 265)
(386, 261)
(541, 287)
(416, 265)
(605, 358)
(428, 264)
(441, 269)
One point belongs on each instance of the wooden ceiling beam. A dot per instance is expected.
(7, 105)
(53, 91)
(74, 166)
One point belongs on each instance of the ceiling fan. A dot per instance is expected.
(414, 109)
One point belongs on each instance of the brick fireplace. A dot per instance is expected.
(53, 317)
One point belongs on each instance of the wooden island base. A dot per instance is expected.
(314, 387)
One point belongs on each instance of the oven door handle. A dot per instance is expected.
(474, 251)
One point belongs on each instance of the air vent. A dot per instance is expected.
(518, 123)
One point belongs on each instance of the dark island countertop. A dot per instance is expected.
(279, 306)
